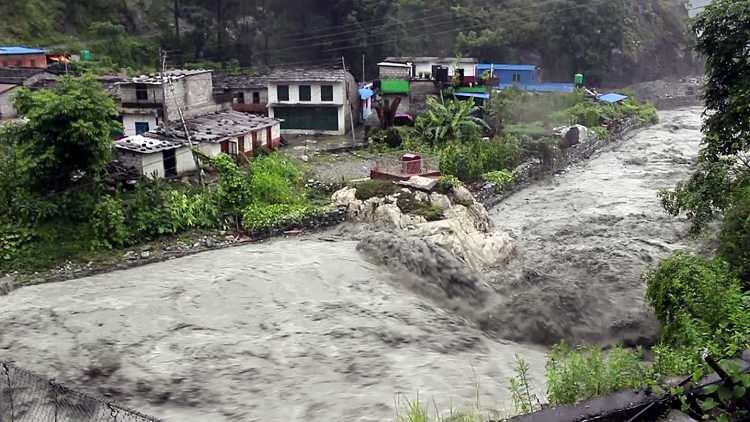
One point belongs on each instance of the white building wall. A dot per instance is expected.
(152, 165)
(339, 93)
(184, 158)
(7, 110)
(276, 131)
(469, 69)
(129, 120)
(210, 149)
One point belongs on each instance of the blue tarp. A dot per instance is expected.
(484, 96)
(365, 93)
(612, 98)
(20, 50)
(542, 87)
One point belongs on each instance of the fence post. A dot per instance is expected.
(10, 392)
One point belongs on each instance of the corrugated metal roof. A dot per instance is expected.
(7, 87)
(542, 87)
(612, 98)
(217, 127)
(20, 50)
(510, 67)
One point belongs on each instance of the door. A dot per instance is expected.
(309, 118)
(269, 138)
(141, 128)
(255, 142)
(225, 147)
(170, 163)
(241, 143)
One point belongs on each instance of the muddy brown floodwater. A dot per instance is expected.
(309, 329)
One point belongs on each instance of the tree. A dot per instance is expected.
(723, 32)
(68, 129)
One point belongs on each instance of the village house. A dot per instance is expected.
(313, 101)
(143, 105)
(13, 78)
(23, 57)
(165, 151)
(424, 67)
(522, 76)
(249, 93)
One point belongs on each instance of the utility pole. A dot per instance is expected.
(363, 68)
(348, 103)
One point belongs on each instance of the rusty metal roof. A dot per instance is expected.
(157, 79)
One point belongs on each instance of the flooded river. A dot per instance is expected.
(309, 329)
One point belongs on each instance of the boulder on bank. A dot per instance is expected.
(464, 228)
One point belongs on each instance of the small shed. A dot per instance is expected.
(155, 158)
(511, 73)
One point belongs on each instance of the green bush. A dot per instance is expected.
(446, 183)
(390, 137)
(13, 240)
(109, 222)
(735, 234)
(469, 160)
(276, 179)
(700, 304)
(501, 178)
(574, 375)
(372, 188)
(258, 217)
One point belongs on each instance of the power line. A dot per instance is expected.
(513, 19)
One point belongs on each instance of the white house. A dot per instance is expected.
(165, 152)
(155, 158)
(313, 101)
(144, 106)
(421, 67)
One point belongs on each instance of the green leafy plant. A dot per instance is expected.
(501, 178)
(431, 212)
(452, 121)
(109, 222)
(372, 188)
(520, 389)
(257, 217)
(574, 375)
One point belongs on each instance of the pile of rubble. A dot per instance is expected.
(463, 226)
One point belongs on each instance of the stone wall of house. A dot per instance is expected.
(418, 93)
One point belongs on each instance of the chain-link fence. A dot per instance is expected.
(28, 397)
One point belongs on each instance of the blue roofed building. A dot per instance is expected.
(14, 56)
(526, 77)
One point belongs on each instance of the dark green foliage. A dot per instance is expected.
(703, 196)
(372, 188)
(735, 234)
(469, 160)
(259, 216)
(431, 213)
(69, 129)
(390, 137)
(700, 304)
(447, 122)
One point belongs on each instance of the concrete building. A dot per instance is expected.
(166, 152)
(13, 78)
(155, 158)
(7, 110)
(421, 67)
(390, 70)
(522, 76)
(249, 93)
(143, 105)
(313, 101)
(23, 57)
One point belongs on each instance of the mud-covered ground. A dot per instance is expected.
(314, 329)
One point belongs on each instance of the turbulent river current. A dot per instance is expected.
(320, 330)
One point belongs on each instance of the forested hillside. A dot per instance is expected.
(610, 40)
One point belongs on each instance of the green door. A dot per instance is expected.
(308, 118)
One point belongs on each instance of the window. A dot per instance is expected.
(141, 128)
(256, 97)
(233, 150)
(326, 93)
(305, 93)
(282, 91)
(141, 93)
(240, 98)
(516, 77)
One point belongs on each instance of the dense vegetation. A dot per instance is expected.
(472, 150)
(616, 39)
(57, 202)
